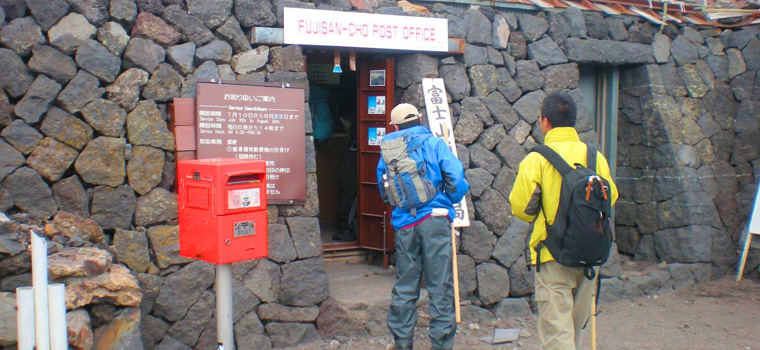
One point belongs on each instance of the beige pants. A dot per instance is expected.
(564, 298)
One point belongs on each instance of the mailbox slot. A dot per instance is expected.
(244, 179)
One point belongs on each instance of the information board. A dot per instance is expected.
(439, 119)
(256, 122)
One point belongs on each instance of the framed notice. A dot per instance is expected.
(260, 123)
(377, 77)
(376, 105)
(375, 136)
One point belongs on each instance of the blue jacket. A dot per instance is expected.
(442, 164)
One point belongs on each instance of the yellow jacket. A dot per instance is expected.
(537, 181)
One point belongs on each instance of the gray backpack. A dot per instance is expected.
(407, 182)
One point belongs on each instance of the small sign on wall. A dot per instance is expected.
(375, 136)
(376, 105)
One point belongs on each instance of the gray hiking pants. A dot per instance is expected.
(426, 246)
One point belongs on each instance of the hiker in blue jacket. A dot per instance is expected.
(423, 234)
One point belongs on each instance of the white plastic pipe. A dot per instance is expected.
(57, 307)
(40, 285)
(25, 318)
(224, 325)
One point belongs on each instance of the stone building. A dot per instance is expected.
(87, 156)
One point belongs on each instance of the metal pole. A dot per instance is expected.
(224, 326)
(59, 339)
(25, 317)
(40, 285)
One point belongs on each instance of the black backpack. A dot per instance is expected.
(581, 235)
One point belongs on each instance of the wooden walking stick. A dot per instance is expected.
(456, 273)
(593, 322)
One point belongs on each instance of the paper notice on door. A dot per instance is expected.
(243, 198)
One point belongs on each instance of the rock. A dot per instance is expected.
(8, 312)
(475, 105)
(494, 57)
(335, 321)
(150, 285)
(253, 13)
(117, 286)
(164, 85)
(264, 281)
(95, 11)
(493, 283)
(661, 48)
(483, 158)
(468, 128)
(164, 240)
(719, 66)
(751, 55)
(190, 327)
(113, 207)
(291, 334)
(245, 300)
(212, 14)
(156, 207)
(6, 109)
(169, 343)
(304, 282)
(125, 91)
(37, 100)
(122, 333)
(736, 65)
(467, 281)
(123, 10)
(641, 32)
(742, 86)
(76, 227)
(251, 332)
(145, 169)
(500, 109)
(192, 28)
(113, 37)
(21, 35)
(251, 60)
(182, 289)
(218, 51)
(594, 51)
(477, 241)
(576, 21)
(102, 162)
(746, 119)
(683, 50)
(21, 136)
(79, 92)
(143, 54)
(16, 78)
(528, 106)
(151, 27)
(545, 52)
(478, 28)
(282, 313)
(740, 38)
(475, 55)
(411, 68)
(78, 329)
(694, 84)
(287, 59)
(483, 79)
(30, 193)
(596, 26)
(507, 86)
(281, 248)
(533, 27)
(106, 117)
(231, 32)
(561, 77)
(512, 307)
(617, 29)
(66, 128)
(53, 63)
(146, 127)
(155, 7)
(71, 197)
(181, 56)
(47, 13)
(131, 248)
(500, 32)
(78, 262)
(517, 47)
(511, 244)
(494, 210)
(96, 59)
(456, 81)
(528, 76)
(10, 159)
(305, 234)
(559, 28)
(479, 180)
(51, 159)
(521, 280)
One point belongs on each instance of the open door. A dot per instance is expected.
(375, 101)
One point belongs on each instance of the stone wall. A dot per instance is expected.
(87, 158)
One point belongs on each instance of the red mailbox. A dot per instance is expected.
(222, 209)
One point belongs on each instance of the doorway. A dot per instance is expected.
(350, 113)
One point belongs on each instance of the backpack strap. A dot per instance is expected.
(591, 163)
(554, 158)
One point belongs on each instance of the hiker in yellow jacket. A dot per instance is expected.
(563, 294)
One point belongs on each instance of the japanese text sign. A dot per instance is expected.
(439, 119)
(256, 122)
(351, 29)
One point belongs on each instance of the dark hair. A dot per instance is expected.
(560, 109)
(409, 124)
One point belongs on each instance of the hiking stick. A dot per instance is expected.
(593, 322)
(456, 273)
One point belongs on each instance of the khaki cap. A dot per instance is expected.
(404, 113)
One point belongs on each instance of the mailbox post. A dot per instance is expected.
(222, 220)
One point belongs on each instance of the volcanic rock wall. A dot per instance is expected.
(87, 158)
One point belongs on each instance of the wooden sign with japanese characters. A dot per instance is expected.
(256, 122)
(439, 119)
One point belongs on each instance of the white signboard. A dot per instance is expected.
(351, 29)
(754, 222)
(439, 119)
